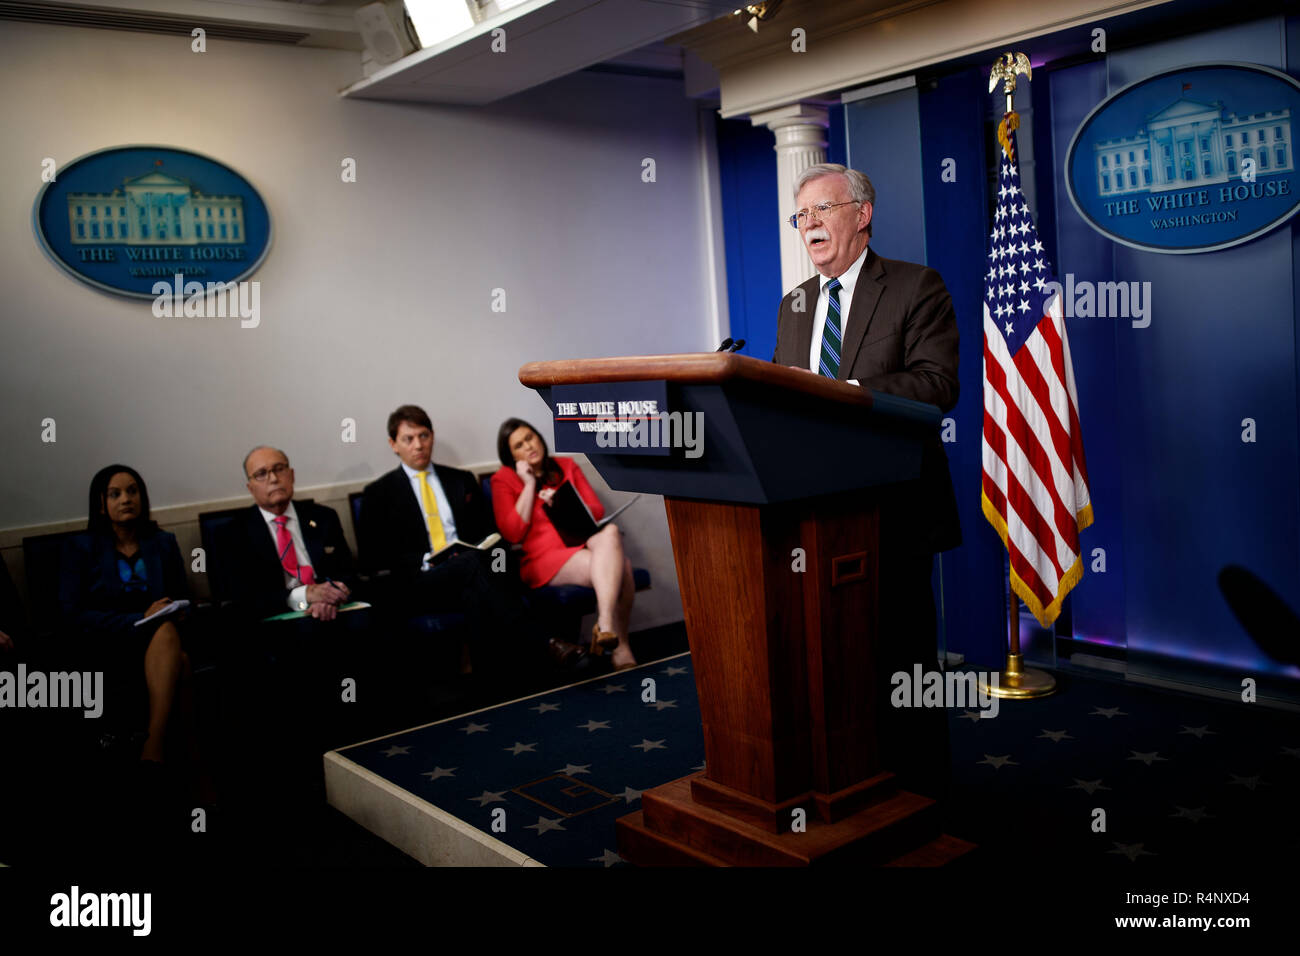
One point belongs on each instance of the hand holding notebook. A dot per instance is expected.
(572, 518)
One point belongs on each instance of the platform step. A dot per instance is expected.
(875, 835)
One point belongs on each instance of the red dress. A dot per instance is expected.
(544, 550)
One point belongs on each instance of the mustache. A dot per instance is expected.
(820, 232)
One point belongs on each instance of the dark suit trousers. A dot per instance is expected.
(914, 741)
(283, 703)
(497, 622)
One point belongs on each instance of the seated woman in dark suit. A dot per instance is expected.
(122, 569)
(526, 480)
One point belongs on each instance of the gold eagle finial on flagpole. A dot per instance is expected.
(1004, 70)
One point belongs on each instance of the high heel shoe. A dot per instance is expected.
(602, 639)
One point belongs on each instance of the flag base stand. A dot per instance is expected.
(1017, 682)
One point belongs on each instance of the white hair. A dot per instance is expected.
(860, 187)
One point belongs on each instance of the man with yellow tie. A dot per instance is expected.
(412, 512)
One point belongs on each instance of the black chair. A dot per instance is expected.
(41, 559)
(13, 617)
(354, 508)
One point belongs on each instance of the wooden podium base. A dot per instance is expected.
(672, 829)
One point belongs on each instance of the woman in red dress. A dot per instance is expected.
(525, 482)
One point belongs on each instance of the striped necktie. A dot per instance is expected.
(832, 336)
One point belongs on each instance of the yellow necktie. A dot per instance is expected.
(437, 537)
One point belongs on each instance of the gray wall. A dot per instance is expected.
(375, 292)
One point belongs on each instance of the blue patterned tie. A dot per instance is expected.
(831, 335)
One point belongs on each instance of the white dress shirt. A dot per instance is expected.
(848, 281)
(298, 592)
(439, 498)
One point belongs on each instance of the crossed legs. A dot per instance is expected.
(603, 566)
(164, 663)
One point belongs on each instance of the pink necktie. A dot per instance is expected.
(289, 555)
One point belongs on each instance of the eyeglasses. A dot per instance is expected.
(816, 212)
(262, 474)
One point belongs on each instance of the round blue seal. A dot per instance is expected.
(127, 218)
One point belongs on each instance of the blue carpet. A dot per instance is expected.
(1181, 778)
(564, 765)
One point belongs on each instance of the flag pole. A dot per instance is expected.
(1015, 681)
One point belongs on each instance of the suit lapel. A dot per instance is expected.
(412, 515)
(455, 492)
(312, 536)
(803, 321)
(866, 296)
(262, 543)
(153, 566)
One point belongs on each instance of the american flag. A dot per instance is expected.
(1035, 482)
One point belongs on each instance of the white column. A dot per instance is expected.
(800, 130)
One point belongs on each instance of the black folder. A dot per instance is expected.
(572, 518)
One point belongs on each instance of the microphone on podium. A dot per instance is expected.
(737, 345)
(725, 345)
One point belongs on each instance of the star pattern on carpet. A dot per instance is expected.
(544, 824)
(1107, 712)
(1131, 850)
(1148, 758)
(1170, 805)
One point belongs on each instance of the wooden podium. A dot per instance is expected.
(775, 530)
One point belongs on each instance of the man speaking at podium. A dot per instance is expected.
(885, 325)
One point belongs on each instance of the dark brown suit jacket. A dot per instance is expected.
(901, 338)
